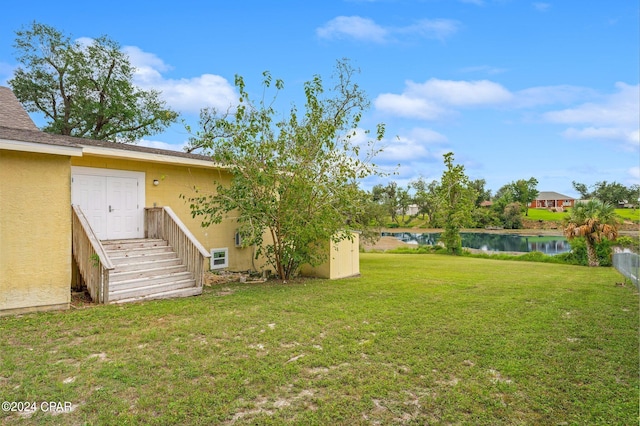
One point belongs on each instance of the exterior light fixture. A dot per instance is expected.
(156, 182)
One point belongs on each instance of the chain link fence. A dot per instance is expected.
(628, 264)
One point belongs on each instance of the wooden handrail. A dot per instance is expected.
(203, 251)
(92, 260)
(162, 222)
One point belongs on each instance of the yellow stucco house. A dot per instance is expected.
(71, 208)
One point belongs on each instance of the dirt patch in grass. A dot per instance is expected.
(81, 299)
(285, 398)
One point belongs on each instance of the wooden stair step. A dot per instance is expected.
(134, 243)
(115, 276)
(135, 251)
(151, 280)
(185, 292)
(147, 269)
(141, 258)
(128, 293)
(146, 264)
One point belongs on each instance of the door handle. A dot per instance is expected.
(109, 209)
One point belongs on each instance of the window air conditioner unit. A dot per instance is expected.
(238, 239)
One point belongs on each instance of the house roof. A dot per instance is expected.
(17, 126)
(551, 195)
(11, 112)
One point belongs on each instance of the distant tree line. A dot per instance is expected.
(507, 208)
(433, 201)
(613, 193)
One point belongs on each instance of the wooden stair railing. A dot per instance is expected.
(163, 223)
(93, 263)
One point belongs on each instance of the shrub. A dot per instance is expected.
(578, 254)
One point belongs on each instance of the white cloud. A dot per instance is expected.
(634, 172)
(621, 108)
(549, 95)
(187, 95)
(190, 95)
(417, 145)
(614, 117)
(460, 93)
(162, 145)
(142, 60)
(407, 105)
(435, 98)
(430, 28)
(365, 29)
(353, 27)
(610, 133)
(541, 7)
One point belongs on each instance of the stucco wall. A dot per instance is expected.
(173, 181)
(35, 232)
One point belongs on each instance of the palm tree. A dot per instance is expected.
(595, 221)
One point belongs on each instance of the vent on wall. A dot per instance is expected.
(219, 258)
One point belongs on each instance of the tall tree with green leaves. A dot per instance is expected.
(458, 201)
(593, 221)
(612, 193)
(84, 90)
(426, 197)
(524, 192)
(388, 196)
(294, 185)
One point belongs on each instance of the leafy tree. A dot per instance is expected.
(520, 191)
(485, 218)
(434, 204)
(594, 221)
(404, 200)
(371, 214)
(420, 195)
(582, 189)
(483, 194)
(525, 192)
(634, 195)
(84, 90)
(458, 199)
(389, 197)
(294, 184)
(426, 198)
(611, 193)
(512, 216)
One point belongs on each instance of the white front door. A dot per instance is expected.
(122, 202)
(112, 201)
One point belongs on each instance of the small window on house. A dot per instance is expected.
(219, 258)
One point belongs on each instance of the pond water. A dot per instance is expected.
(550, 245)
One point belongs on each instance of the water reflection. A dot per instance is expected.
(492, 242)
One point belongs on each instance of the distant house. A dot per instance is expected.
(550, 199)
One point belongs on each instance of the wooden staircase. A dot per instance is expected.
(147, 269)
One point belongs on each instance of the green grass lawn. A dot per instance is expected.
(629, 214)
(418, 339)
(544, 214)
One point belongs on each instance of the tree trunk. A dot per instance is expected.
(592, 256)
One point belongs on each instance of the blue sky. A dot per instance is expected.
(514, 88)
